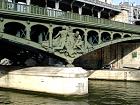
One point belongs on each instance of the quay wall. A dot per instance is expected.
(118, 55)
(122, 75)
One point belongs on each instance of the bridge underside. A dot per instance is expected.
(117, 54)
(24, 55)
(41, 36)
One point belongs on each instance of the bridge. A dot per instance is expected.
(35, 30)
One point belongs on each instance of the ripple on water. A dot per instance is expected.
(100, 93)
(110, 93)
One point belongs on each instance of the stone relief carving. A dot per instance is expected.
(59, 41)
(78, 42)
(68, 42)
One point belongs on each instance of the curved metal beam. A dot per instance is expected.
(21, 41)
(112, 42)
(29, 43)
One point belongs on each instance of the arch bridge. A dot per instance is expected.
(63, 34)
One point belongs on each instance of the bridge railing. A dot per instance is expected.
(103, 4)
(36, 10)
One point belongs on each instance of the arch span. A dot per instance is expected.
(81, 32)
(126, 36)
(105, 36)
(21, 41)
(93, 37)
(116, 36)
(112, 42)
(39, 33)
(56, 30)
(15, 29)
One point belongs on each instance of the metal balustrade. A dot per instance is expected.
(104, 4)
(36, 10)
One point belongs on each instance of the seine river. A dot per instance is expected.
(100, 93)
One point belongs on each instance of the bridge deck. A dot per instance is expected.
(40, 13)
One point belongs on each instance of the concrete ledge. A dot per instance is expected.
(132, 66)
(54, 80)
(124, 75)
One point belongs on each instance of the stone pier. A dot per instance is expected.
(53, 80)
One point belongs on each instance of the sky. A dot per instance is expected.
(135, 2)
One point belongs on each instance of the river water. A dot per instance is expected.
(100, 93)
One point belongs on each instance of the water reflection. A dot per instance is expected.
(114, 93)
(16, 98)
(100, 93)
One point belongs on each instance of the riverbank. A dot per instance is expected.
(64, 81)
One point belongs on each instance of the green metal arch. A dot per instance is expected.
(55, 26)
(97, 30)
(127, 34)
(14, 21)
(116, 34)
(106, 32)
(80, 30)
(34, 24)
(103, 36)
(93, 48)
(74, 28)
(112, 42)
(21, 41)
(93, 31)
(39, 25)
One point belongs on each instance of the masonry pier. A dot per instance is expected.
(60, 81)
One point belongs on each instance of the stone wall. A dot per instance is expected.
(124, 75)
(121, 54)
(116, 55)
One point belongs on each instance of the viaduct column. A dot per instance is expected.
(99, 14)
(50, 36)
(57, 4)
(99, 38)
(46, 4)
(1, 24)
(85, 40)
(80, 10)
(28, 2)
(28, 30)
